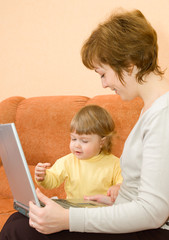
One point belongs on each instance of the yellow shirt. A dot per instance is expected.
(84, 177)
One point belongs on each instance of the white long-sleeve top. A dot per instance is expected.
(143, 200)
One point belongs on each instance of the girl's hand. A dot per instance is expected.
(100, 198)
(113, 192)
(40, 171)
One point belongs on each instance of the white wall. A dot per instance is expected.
(40, 42)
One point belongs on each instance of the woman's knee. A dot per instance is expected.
(17, 228)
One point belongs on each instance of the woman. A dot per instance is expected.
(123, 51)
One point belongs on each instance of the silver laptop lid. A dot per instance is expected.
(16, 167)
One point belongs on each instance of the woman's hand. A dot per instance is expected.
(49, 219)
(100, 198)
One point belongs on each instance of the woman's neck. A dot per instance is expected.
(153, 87)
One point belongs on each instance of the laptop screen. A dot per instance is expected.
(16, 167)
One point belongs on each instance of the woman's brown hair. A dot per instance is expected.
(125, 39)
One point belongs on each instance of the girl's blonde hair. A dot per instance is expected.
(125, 39)
(93, 119)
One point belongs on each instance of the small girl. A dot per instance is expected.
(90, 168)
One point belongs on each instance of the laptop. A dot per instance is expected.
(19, 177)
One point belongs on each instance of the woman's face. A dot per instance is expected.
(110, 79)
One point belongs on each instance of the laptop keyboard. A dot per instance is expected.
(67, 204)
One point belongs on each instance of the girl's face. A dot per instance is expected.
(85, 146)
(111, 80)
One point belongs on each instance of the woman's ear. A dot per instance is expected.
(130, 69)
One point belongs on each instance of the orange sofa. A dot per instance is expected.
(43, 127)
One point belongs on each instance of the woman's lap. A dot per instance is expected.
(17, 228)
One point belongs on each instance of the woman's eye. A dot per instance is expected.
(102, 76)
(84, 141)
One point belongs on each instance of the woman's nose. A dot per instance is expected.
(104, 85)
